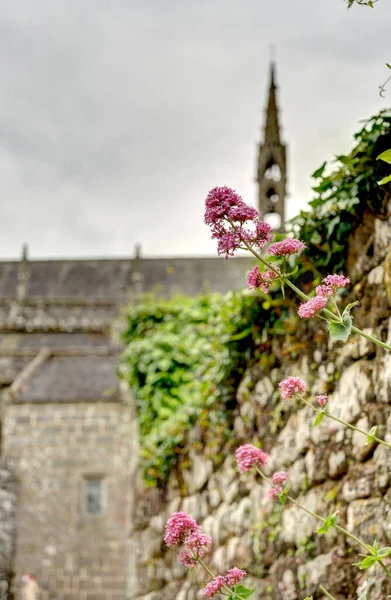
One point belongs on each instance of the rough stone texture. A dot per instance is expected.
(7, 528)
(52, 448)
(331, 468)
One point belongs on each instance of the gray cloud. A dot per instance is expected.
(117, 117)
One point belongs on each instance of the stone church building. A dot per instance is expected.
(68, 442)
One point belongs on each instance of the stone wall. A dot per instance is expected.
(331, 468)
(7, 529)
(52, 448)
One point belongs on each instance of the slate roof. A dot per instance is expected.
(110, 279)
(8, 279)
(70, 379)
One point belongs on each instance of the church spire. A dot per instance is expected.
(272, 129)
(271, 175)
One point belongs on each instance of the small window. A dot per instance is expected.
(94, 496)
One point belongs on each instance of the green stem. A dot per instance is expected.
(338, 527)
(337, 309)
(326, 593)
(353, 427)
(371, 338)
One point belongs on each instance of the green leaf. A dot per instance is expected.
(383, 552)
(284, 494)
(349, 307)
(370, 435)
(329, 522)
(319, 418)
(384, 180)
(339, 331)
(388, 65)
(385, 156)
(315, 238)
(369, 561)
(243, 591)
(319, 172)
(366, 563)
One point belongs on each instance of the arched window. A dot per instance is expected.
(273, 172)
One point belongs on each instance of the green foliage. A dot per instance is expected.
(319, 418)
(371, 434)
(343, 194)
(370, 3)
(386, 157)
(378, 555)
(341, 331)
(283, 496)
(239, 591)
(183, 361)
(329, 522)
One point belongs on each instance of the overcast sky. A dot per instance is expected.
(117, 116)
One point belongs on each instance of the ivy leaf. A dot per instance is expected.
(319, 172)
(243, 591)
(341, 331)
(385, 156)
(319, 418)
(370, 435)
(330, 521)
(384, 180)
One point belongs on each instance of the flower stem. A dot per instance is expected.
(349, 425)
(326, 593)
(371, 338)
(338, 527)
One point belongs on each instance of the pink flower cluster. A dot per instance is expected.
(322, 400)
(291, 386)
(226, 213)
(260, 279)
(329, 287)
(178, 527)
(278, 479)
(231, 578)
(286, 247)
(312, 307)
(183, 529)
(249, 456)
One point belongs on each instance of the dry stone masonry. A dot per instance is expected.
(331, 467)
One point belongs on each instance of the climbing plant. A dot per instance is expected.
(344, 190)
(183, 361)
